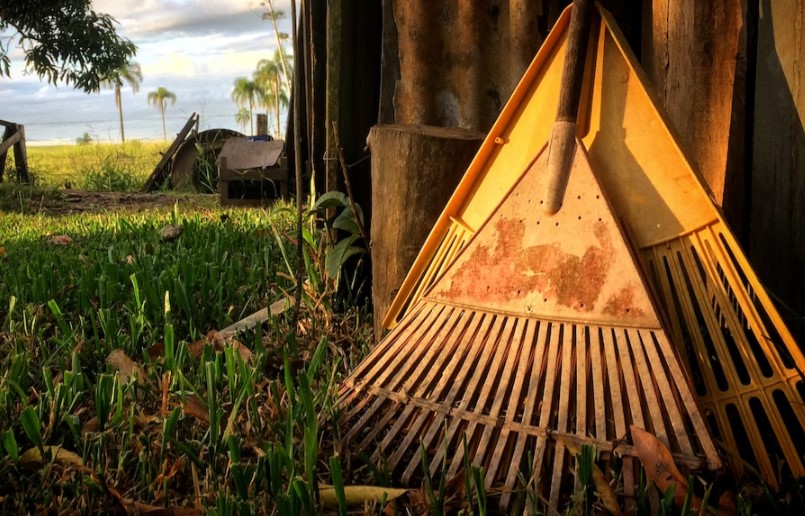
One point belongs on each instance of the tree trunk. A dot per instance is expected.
(119, 102)
(414, 171)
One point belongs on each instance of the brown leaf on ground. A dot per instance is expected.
(125, 366)
(193, 406)
(170, 233)
(90, 426)
(173, 511)
(604, 489)
(157, 350)
(727, 503)
(59, 456)
(660, 467)
(136, 508)
(218, 343)
(358, 495)
(61, 240)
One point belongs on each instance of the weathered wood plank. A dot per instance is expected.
(256, 319)
(694, 54)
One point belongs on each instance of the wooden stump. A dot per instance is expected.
(414, 171)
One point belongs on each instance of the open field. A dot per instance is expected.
(119, 167)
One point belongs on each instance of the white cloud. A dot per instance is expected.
(195, 48)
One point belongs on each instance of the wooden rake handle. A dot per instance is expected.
(562, 145)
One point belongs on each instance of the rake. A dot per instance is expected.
(536, 329)
(516, 373)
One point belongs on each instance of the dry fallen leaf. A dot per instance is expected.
(125, 366)
(660, 467)
(604, 489)
(60, 240)
(90, 426)
(218, 343)
(193, 406)
(356, 495)
(170, 233)
(60, 456)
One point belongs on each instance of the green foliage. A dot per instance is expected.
(196, 412)
(84, 139)
(340, 251)
(57, 165)
(205, 171)
(130, 74)
(110, 176)
(436, 497)
(245, 94)
(64, 40)
(586, 464)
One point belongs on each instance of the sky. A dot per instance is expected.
(194, 48)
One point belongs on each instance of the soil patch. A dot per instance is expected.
(66, 202)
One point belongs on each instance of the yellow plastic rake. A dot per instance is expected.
(745, 367)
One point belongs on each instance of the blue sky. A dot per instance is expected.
(195, 48)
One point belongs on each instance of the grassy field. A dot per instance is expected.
(117, 395)
(116, 167)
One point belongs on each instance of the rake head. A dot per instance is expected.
(541, 333)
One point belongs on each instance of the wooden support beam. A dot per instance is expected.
(8, 142)
(256, 319)
(163, 168)
(414, 171)
(14, 136)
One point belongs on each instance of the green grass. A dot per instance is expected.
(93, 166)
(202, 425)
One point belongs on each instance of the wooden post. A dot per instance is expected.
(694, 54)
(414, 171)
(778, 162)
(21, 157)
(14, 136)
(262, 124)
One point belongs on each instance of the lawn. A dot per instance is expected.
(118, 395)
(94, 166)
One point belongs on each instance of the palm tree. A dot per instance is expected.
(130, 74)
(242, 118)
(159, 99)
(246, 93)
(271, 89)
(281, 57)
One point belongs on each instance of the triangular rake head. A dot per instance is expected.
(541, 333)
(745, 367)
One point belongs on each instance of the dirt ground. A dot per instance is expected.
(65, 202)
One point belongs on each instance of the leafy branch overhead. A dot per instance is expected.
(64, 41)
